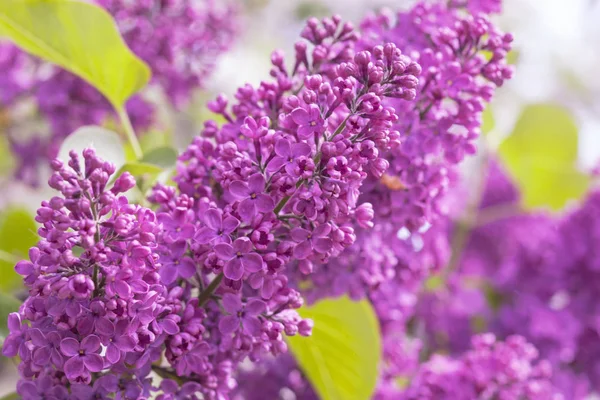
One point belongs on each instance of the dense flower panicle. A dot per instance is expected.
(490, 370)
(96, 307)
(395, 248)
(525, 273)
(275, 189)
(463, 58)
(180, 41)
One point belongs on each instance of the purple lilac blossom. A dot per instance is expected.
(237, 303)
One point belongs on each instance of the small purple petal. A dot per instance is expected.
(231, 303)
(233, 269)
(255, 307)
(168, 274)
(256, 183)
(299, 234)
(300, 116)
(224, 251)
(276, 163)
(187, 268)
(213, 220)
(303, 250)
(14, 322)
(252, 262)
(125, 343)
(264, 203)
(230, 224)
(90, 343)
(283, 148)
(69, 347)
(252, 325)
(247, 209)
(74, 367)
(93, 362)
(239, 189)
(24, 267)
(205, 235)
(322, 245)
(301, 149)
(242, 245)
(229, 324)
(113, 354)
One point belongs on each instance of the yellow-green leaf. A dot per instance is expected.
(18, 233)
(541, 155)
(342, 356)
(80, 37)
(488, 121)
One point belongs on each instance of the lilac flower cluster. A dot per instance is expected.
(96, 310)
(200, 286)
(275, 188)
(463, 61)
(179, 40)
(463, 58)
(526, 273)
(490, 370)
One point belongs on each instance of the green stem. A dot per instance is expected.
(207, 293)
(135, 144)
(281, 204)
(10, 258)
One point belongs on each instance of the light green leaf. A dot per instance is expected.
(18, 233)
(541, 155)
(162, 156)
(145, 174)
(8, 304)
(80, 37)
(342, 356)
(108, 145)
(488, 121)
(11, 396)
(141, 169)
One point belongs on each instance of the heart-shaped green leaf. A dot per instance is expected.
(342, 356)
(80, 37)
(541, 155)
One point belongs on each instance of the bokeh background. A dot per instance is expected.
(556, 57)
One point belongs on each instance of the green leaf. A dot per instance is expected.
(141, 169)
(18, 233)
(488, 121)
(145, 174)
(80, 37)
(108, 145)
(342, 356)
(11, 396)
(541, 155)
(162, 156)
(8, 304)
